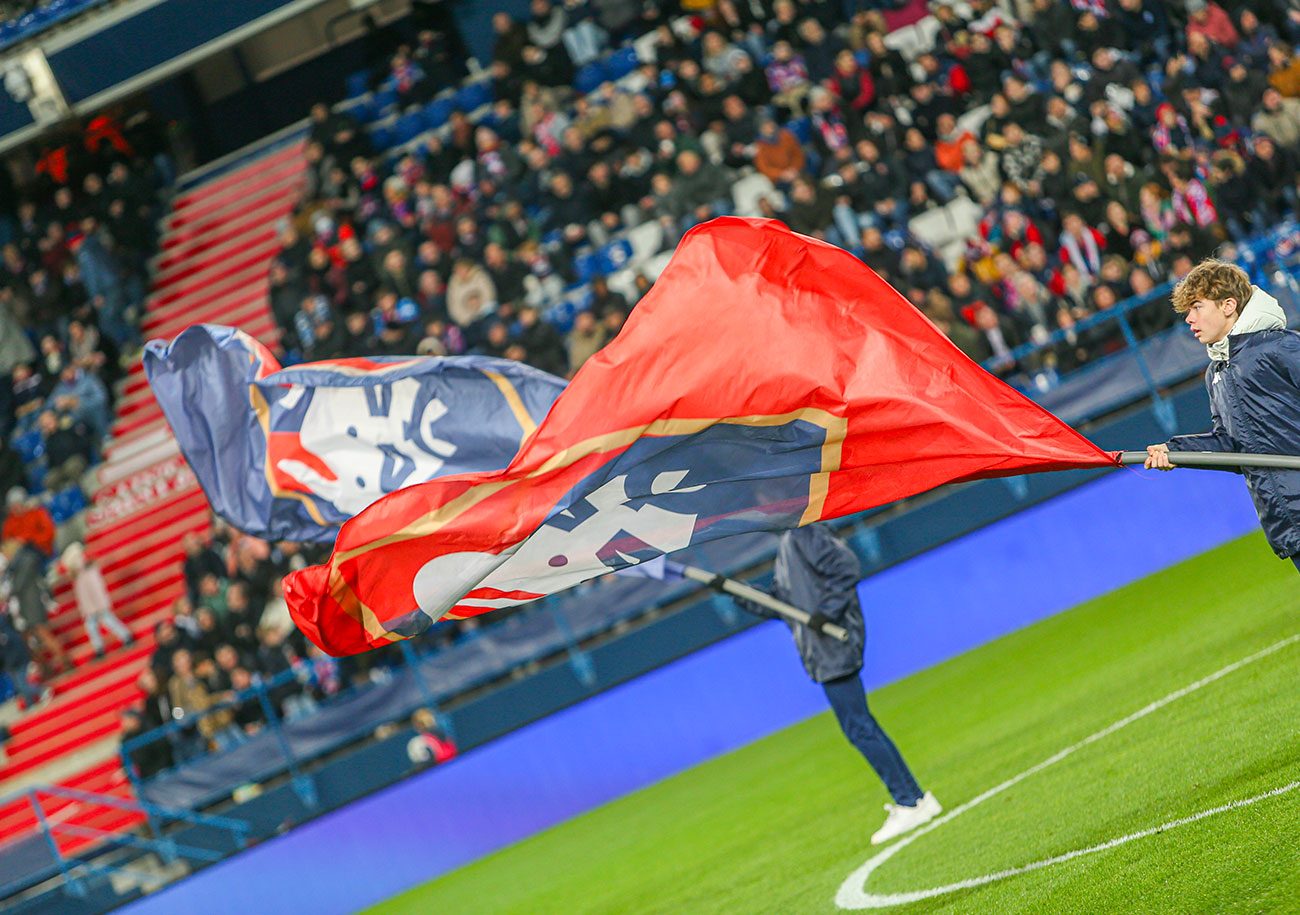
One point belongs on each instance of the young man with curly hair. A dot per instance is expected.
(1254, 385)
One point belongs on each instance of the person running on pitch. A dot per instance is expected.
(1254, 385)
(818, 573)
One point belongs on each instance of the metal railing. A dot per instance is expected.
(1272, 258)
(74, 868)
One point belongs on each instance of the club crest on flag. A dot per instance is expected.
(292, 453)
(643, 501)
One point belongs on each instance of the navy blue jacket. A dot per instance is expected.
(818, 573)
(1255, 406)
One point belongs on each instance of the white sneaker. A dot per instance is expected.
(905, 819)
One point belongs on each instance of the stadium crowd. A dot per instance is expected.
(75, 243)
(229, 656)
(1108, 144)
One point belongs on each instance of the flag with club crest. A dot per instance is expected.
(767, 380)
(292, 453)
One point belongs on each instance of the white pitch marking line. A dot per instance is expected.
(853, 895)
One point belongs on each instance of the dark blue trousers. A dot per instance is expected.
(848, 699)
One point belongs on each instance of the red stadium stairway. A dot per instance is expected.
(217, 244)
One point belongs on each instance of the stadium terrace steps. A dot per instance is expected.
(218, 242)
(233, 240)
(250, 184)
(204, 302)
(221, 210)
(220, 274)
(284, 196)
(291, 153)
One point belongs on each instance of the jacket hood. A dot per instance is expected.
(1262, 312)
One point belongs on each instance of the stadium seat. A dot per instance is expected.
(914, 40)
(748, 191)
(645, 240)
(381, 136)
(437, 112)
(407, 128)
(624, 282)
(36, 476)
(801, 128)
(587, 266)
(974, 119)
(621, 63)
(589, 78)
(358, 83)
(655, 266)
(30, 446)
(385, 99)
(473, 96)
(944, 227)
(562, 313)
(614, 256)
(66, 503)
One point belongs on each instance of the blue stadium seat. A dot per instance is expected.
(36, 476)
(587, 265)
(614, 256)
(437, 112)
(801, 128)
(358, 83)
(473, 96)
(562, 313)
(384, 99)
(588, 78)
(407, 128)
(66, 503)
(381, 137)
(621, 63)
(30, 446)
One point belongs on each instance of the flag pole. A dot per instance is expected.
(1218, 460)
(780, 608)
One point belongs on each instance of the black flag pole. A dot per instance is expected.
(1218, 460)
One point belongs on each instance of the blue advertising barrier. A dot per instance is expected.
(930, 608)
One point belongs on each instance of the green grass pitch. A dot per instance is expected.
(778, 825)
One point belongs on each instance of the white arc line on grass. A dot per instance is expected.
(862, 900)
(853, 891)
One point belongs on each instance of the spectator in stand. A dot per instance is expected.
(68, 450)
(12, 473)
(93, 601)
(586, 339)
(1209, 19)
(15, 663)
(247, 714)
(83, 397)
(777, 153)
(28, 521)
(149, 758)
(190, 701)
(1279, 118)
(200, 560)
(32, 601)
(429, 745)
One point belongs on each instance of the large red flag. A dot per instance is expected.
(766, 381)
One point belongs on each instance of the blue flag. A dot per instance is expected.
(292, 453)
